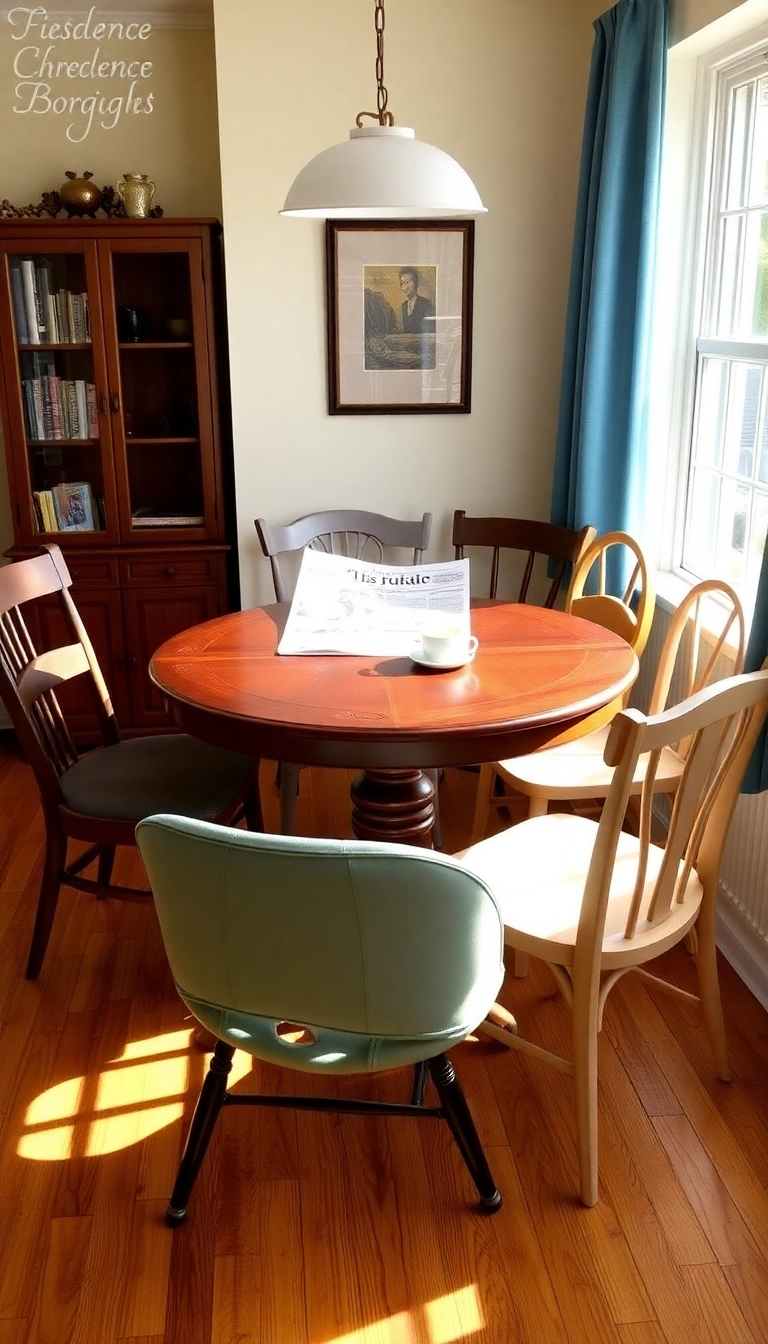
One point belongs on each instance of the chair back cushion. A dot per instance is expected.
(386, 954)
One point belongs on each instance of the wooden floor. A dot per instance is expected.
(310, 1229)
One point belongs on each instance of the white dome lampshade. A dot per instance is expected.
(382, 172)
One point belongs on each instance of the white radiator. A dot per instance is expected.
(743, 912)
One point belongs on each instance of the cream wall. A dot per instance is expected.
(688, 17)
(177, 144)
(500, 84)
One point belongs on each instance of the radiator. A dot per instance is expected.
(743, 909)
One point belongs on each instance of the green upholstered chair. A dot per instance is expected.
(325, 956)
(99, 795)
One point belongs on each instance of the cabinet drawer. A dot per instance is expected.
(181, 567)
(92, 571)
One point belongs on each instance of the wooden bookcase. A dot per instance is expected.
(117, 443)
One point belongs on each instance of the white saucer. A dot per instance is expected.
(418, 656)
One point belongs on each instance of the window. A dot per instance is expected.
(722, 516)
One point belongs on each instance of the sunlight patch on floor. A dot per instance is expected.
(135, 1095)
(455, 1316)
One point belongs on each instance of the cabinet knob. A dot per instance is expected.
(115, 401)
(169, 571)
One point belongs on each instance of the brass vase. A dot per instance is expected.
(136, 191)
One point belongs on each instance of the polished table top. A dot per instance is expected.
(539, 676)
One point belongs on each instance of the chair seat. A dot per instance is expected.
(537, 871)
(577, 770)
(170, 773)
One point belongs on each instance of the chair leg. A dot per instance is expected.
(520, 964)
(209, 1104)
(462, 1126)
(482, 803)
(289, 788)
(254, 819)
(419, 1083)
(584, 1027)
(709, 993)
(106, 864)
(55, 859)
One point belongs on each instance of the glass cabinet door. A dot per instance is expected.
(161, 424)
(59, 399)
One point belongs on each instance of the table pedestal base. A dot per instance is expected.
(393, 805)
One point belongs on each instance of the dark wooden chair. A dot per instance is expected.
(98, 796)
(354, 533)
(351, 532)
(563, 545)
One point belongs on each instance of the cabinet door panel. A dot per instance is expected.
(56, 384)
(152, 615)
(102, 618)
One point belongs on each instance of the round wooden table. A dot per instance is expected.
(539, 677)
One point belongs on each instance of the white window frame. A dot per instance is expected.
(698, 84)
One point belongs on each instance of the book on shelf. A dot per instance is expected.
(58, 408)
(45, 315)
(42, 296)
(141, 518)
(30, 300)
(19, 309)
(73, 506)
(44, 510)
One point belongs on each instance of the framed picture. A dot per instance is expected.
(399, 316)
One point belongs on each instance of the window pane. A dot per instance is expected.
(738, 146)
(758, 186)
(701, 527)
(726, 307)
(710, 416)
(741, 425)
(731, 544)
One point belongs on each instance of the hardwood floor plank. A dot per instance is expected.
(147, 1270)
(719, 1317)
(61, 1281)
(726, 1230)
(641, 1332)
(733, 1165)
(259, 1295)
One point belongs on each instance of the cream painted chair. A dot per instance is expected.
(629, 615)
(688, 663)
(595, 902)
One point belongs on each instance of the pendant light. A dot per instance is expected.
(382, 171)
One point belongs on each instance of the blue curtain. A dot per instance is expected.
(600, 456)
(756, 778)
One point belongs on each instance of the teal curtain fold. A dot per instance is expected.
(756, 778)
(601, 449)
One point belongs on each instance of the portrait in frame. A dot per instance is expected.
(399, 316)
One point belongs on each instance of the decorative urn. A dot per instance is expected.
(80, 196)
(136, 191)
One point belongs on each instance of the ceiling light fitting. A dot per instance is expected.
(382, 171)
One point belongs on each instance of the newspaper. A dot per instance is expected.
(349, 606)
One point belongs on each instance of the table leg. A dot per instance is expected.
(394, 805)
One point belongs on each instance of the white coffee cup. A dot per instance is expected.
(447, 642)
